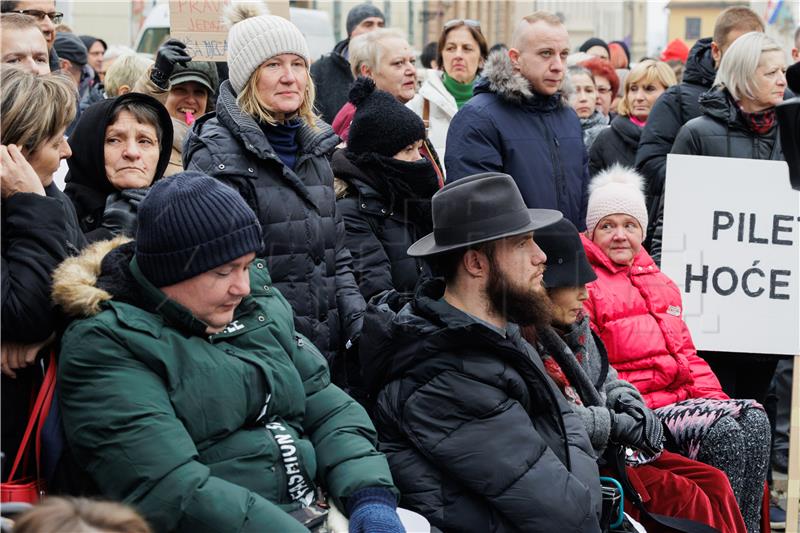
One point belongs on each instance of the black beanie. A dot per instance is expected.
(191, 223)
(594, 41)
(381, 123)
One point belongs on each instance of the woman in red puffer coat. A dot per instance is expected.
(637, 312)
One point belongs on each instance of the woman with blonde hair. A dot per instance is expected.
(618, 144)
(267, 143)
(39, 230)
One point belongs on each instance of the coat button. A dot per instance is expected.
(383, 211)
(250, 170)
(259, 265)
(363, 206)
(261, 318)
(266, 288)
(221, 166)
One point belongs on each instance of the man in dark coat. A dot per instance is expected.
(680, 103)
(331, 73)
(477, 437)
(518, 123)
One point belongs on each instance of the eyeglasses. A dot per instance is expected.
(467, 22)
(603, 90)
(55, 16)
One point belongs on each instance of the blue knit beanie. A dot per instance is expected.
(189, 224)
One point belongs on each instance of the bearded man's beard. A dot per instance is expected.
(523, 305)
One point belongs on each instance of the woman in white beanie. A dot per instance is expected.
(637, 312)
(266, 142)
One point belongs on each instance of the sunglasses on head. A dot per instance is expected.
(55, 16)
(467, 22)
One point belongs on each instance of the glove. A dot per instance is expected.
(119, 215)
(373, 510)
(639, 427)
(169, 53)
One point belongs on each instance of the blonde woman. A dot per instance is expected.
(266, 142)
(618, 144)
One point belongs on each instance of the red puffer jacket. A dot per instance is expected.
(637, 311)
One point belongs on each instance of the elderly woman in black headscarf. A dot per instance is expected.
(120, 147)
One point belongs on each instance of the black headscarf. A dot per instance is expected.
(87, 184)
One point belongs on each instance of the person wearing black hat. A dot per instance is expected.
(184, 347)
(384, 187)
(613, 412)
(596, 47)
(332, 71)
(472, 426)
(120, 147)
(72, 56)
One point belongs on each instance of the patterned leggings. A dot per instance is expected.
(740, 448)
(731, 435)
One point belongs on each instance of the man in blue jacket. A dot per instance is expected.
(519, 124)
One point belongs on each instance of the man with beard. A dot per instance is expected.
(477, 436)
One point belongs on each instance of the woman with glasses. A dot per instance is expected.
(606, 82)
(461, 53)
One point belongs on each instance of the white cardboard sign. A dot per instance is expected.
(732, 245)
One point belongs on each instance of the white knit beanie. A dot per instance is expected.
(256, 36)
(616, 190)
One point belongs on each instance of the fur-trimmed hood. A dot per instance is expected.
(499, 77)
(75, 282)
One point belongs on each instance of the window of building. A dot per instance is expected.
(692, 28)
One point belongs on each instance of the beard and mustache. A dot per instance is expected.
(524, 305)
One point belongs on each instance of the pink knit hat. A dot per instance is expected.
(616, 190)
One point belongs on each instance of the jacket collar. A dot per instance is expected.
(434, 90)
(700, 68)
(630, 132)
(500, 78)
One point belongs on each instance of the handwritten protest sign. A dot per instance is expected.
(732, 245)
(198, 23)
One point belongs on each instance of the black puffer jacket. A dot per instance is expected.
(332, 79)
(722, 132)
(678, 105)
(617, 144)
(87, 182)
(378, 234)
(477, 437)
(303, 232)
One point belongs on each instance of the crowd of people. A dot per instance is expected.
(287, 293)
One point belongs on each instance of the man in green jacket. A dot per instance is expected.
(186, 391)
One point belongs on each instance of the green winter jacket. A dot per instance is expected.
(172, 421)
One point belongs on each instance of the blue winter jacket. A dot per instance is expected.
(507, 128)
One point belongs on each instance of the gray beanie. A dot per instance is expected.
(362, 11)
(255, 37)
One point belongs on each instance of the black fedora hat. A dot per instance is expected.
(480, 208)
(567, 265)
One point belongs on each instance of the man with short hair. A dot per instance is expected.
(331, 73)
(72, 56)
(518, 122)
(44, 11)
(477, 436)
(796, 49)
(22, 43)
(679, 104)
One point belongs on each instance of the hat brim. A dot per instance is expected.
(539, 219)
(183, 78)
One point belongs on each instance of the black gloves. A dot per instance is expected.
(119, 215)
(169, 53)
(636, 426)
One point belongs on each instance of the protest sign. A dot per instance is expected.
(732, 245)
(198, 24)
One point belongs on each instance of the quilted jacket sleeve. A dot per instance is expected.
(343, 435)
(371, 265)
(34, 243)
(349, 301)
(468, 437)
(136, 449)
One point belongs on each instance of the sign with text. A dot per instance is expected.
(198, 23)
(732, 245)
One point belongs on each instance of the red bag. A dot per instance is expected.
(31, 490)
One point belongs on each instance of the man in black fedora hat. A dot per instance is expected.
(477, 436)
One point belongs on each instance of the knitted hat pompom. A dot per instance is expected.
(255, 36)
(616, 190)
(361, 89)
